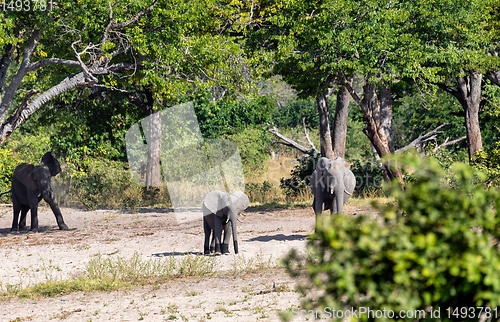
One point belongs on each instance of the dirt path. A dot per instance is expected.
(30, 258)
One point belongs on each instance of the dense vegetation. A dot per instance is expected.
(74, 79)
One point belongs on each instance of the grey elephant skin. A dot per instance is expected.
(331, 184)
(220, 213)
(29, 185)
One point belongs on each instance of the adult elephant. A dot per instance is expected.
(220, 212)
(29, 185)
(331, 184)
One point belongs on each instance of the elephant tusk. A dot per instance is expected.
(350, 194)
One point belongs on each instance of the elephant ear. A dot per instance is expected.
(225, 200)
(242, 200)
(22, 173)
(52, 163)
(211, 201)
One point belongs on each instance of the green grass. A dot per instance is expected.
(106, 274)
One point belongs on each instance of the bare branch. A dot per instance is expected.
(289, 142)
(307, 134)
(421, 139)
(52, 61)
(446, 143)
(17, 79)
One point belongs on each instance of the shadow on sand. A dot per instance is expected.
(278, 237)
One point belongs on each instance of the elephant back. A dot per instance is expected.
(22, 173)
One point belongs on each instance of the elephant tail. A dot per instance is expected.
(4, 193)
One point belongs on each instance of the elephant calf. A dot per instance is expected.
(220, 212)
(29, 185)
(331, 184)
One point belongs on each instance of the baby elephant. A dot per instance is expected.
(29, 185)
(220, 212)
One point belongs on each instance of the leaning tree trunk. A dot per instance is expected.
(324, 127)
(340, 123)
(23, 112)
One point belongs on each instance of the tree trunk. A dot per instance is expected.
(468, 93)
(469, 88)
(153, 168)
(23, 113)
(340, 123)
(378, 119)
(324, 127)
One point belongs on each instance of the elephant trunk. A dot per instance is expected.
(339, 196)
(234, 220)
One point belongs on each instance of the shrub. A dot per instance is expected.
(253, 146)
(436, 247)
(8, 162)
(489, 162)
(102, 183)
(369, 176)
(300, 175)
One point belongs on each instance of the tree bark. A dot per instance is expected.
(23, 113)
(324, 127)
(468, 93)
(377, 115)
(340, 123)
(153, 168)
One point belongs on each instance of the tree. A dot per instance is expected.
(457, 39)
(154, 55)
(294, 39)
(59, 53)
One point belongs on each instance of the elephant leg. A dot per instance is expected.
(48, 196)
(15, 220)
(217, 234)
(22, 219)
(34, 218)
(318, 205)
(208, 232)
(227, 238)
(212, 244)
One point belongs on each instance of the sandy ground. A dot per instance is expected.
(30, 258)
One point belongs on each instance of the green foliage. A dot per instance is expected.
(435, 248)
(226, 116)
(489, 163)
(253, 143)
(101, 183)
(300, 175)
(369, 175)
(8, 162)
(291, 115)
(416, 114)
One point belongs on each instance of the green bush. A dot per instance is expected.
(489, 163)
(8, 162)
(369, 176)
(435, 248)
(102, 183)
(253, 146)
(300, 175)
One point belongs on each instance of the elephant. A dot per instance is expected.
(331, 184)
(29, 185)
(220, 212)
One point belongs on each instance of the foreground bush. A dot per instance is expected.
(435, 249)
